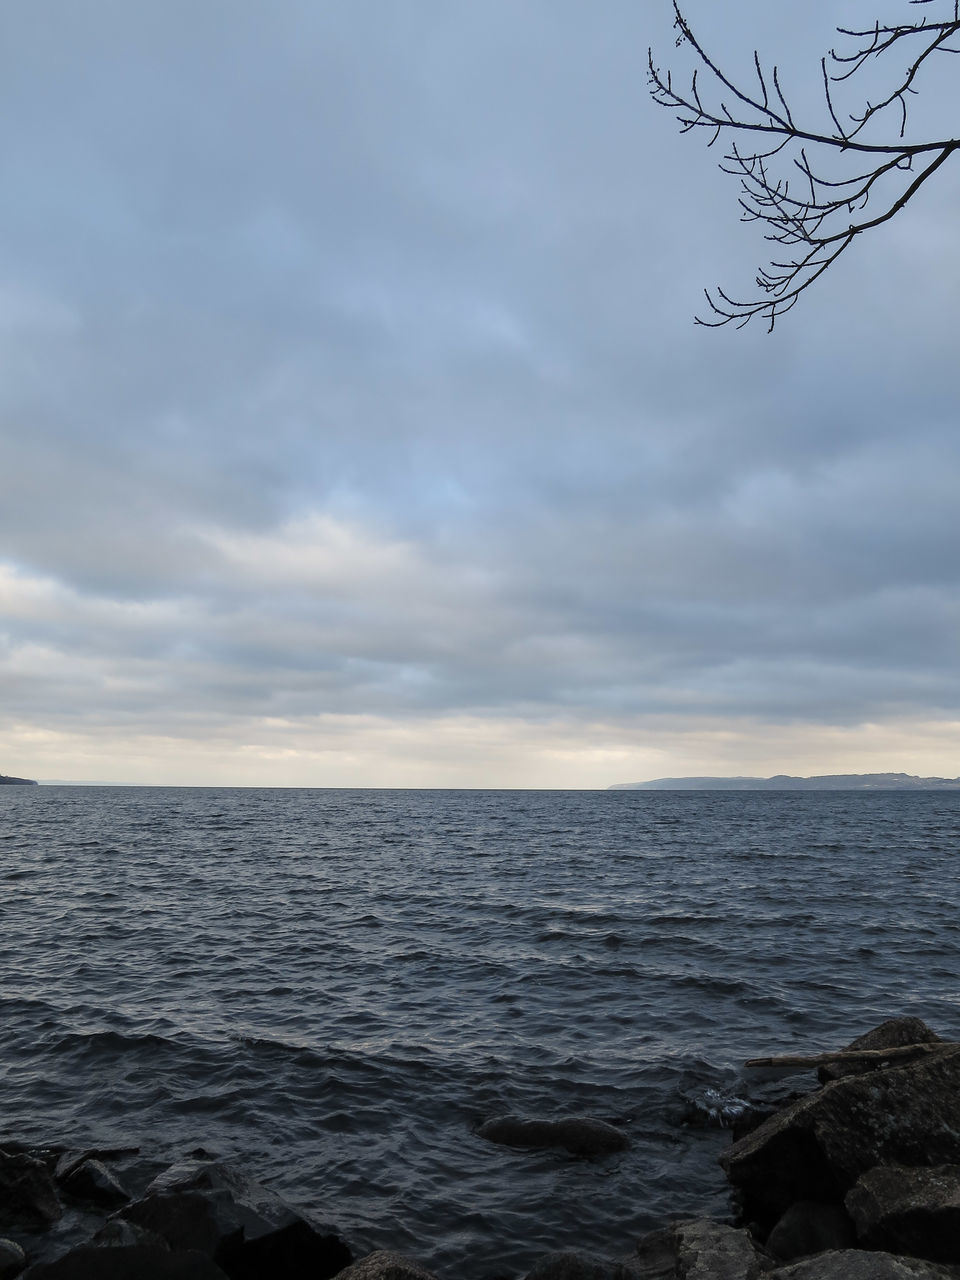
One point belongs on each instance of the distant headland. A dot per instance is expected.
(784, 782)
(16, 782)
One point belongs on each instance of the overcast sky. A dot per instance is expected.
(354, 428)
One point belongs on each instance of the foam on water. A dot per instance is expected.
(338, 987)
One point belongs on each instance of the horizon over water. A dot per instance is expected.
(336, 987)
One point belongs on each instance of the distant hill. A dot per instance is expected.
(16, 782)
(784, 782)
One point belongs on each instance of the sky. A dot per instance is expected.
(355, 429)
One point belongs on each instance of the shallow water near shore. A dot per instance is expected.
(337, 987)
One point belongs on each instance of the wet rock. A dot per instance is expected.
(190, 1219)
(713, 1251)
(808, 1227)
(28, 1196)
(118, 1234)
(816, 1148)
(247, 1229)
(92, 1181)
(384, 1265)
(127, 1264)
(857, 1264)
(914, 1211)
(296, 1252)
(580, 1135)
(700, 1249)
(895, 1033)
(12, 1259)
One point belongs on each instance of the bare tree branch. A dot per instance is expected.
(816, 220)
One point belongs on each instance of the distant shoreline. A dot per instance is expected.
(786, 782)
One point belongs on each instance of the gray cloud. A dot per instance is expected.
(349, 370)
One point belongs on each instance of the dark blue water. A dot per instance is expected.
(337, 987)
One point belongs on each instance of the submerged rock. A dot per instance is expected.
(913, 1211)
(580, 1135)
(817, 1148)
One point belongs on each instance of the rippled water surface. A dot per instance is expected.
(337, 987)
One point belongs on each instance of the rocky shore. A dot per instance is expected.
(858, 1179)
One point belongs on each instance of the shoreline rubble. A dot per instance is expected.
(858, 1179)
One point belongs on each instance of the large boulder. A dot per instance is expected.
(384, 1265)
(809, 1227)
(246, 1228)
(92, 1181)
(135, 1263)
(580, 1135)
(12, 1259)
(817, 1148)
(28, 1196)
(700, 1249)
(914, 1211)
(857, 1264)
(895, 1033)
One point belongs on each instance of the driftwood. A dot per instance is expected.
(853, 1055)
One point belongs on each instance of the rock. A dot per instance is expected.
(384, 1265)
(127, 1264)
(913, 1211)
(92, 1181)
(856, 1264)
(12, 1259)
(699, 1249)
(247, 1229)
(296, 1252)
(816, 1148)
(118, 1234)
(580, 1135)
(713, 1251)
(28, 1196)
(572, 1265)
(808, 1227)
(895, 1033)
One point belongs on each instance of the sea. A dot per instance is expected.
(336, 988)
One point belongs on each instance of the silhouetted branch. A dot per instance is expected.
(815, 218)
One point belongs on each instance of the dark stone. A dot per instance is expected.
(28, 1196)
(250, 1231)
(713, 1251)
(12, 1259)
(580, 1135)
(809, 1227)
(856, 1264)
(195, 1220)
(384, 1265)
(818, 1147)
(127, 1264)
(699, 1249)
(296, 1252)
(92, 1181)
(895, 1033)
(914, 1211)
(120, 1234)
